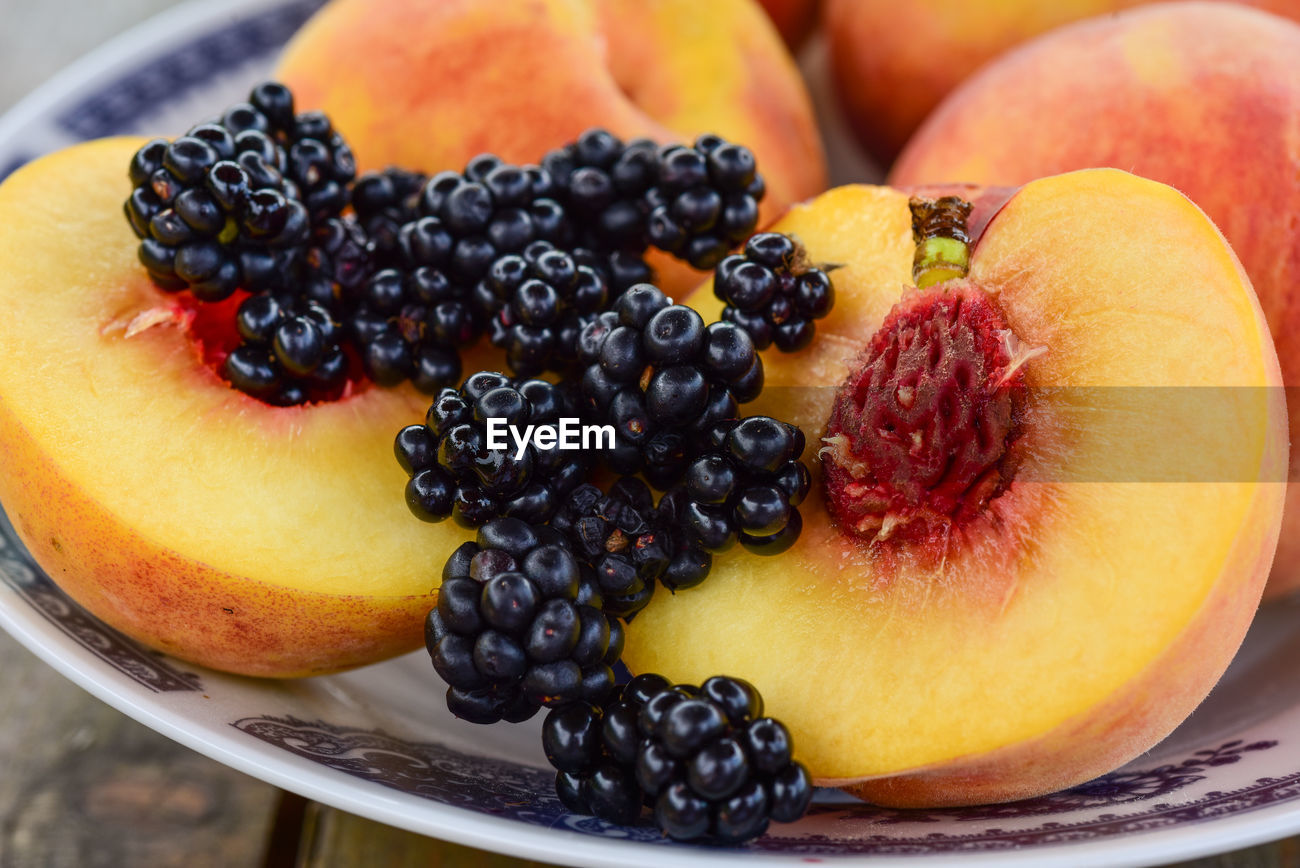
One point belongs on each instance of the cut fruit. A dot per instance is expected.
(245, 537)
(1086, 608)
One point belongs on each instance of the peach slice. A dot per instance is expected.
(1201, 96)
(258, 540)
(1070, 620)
(428, 85)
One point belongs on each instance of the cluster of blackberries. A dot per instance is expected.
(657, 374)
(230, 203)
(517, 626)
(773, 293)
(747, 487)
(290, 350)
(703, 758)
(462, 466)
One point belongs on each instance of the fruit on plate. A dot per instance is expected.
(254, 539)
(994, 595)
(428, 86)
(892, 63)
(1203, 97)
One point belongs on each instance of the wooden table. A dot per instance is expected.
(82, 785)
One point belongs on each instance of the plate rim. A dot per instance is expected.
(450, 822)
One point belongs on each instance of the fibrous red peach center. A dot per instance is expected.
(919, 435)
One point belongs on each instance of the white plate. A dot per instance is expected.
(378, 742)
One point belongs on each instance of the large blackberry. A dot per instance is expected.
(214, 212)
(655, 372)
(230, 203)
(602, 183)
(290, 351)
(705, 199)
(384, 202)
(773, 292)
(747, 486)
(630, 544)
(543, 299)
(702, 757)
(515, 627)
(453, 471)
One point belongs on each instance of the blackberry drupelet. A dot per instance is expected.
(630, 544)
(602, 183)
(704, 201)
(515, 627)
(384, 202)
(290, 351)
(454, 473)
(747, 487)
(652, 370)
(703, 758)
(542, 300)
(773, 292)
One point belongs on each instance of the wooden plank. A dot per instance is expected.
(85, 786)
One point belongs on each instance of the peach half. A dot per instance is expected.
(1062, 612)
(1201, 96)
(249, 538)
(428, 84)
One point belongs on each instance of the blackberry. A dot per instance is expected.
(711, 767)
(230, 204)
(594, 749)
(630, 544)
(453, 472)
(652, 370)
(542, 299)
(214, 212)
(747, 487)
(602, 183)
(340, 259)
(704, 201)
(289, 353)
(384, 202)
(514, 628)
(773, 293)
(412, 325)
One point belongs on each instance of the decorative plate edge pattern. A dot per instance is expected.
(434, 771)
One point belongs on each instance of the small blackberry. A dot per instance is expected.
(543, 299)
(655, 372)
(630, 544)
(773, 293)
(514, 628)
(602, 183)
(384, 202)
(703, 758)
(453, 471)
(704, 201)
(290, 351)
(747, 486)
(340, 260)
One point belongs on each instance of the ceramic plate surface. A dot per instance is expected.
(377, 741)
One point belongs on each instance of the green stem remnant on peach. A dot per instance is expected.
(942, 239)
(921, 436)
